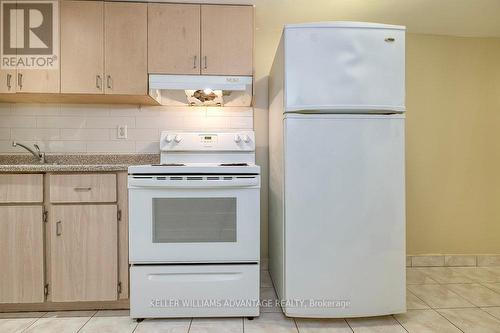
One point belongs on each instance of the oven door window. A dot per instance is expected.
(194, 220)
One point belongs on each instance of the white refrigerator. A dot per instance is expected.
(337, 170)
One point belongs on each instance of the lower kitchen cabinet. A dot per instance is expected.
(63, 241)
(21, 254)
(84, 253)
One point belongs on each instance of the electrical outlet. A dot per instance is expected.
(121, 132)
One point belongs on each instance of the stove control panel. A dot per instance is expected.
(211, 141)
(208, 139)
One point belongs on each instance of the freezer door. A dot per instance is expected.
(344, 68)
(344, 215)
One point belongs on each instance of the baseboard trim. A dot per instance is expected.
(65, 306)
(453, 260)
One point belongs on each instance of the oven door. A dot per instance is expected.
(198, 219)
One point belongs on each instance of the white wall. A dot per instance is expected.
(64, 128)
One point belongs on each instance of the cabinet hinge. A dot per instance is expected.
(119, 214)
(119, 287)
(45, 215)
(46, 290)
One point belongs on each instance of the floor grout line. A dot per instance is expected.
(37, 319)
(136, 324)
(34, 321)
(95, 312)
(496, 292)
(296, 325)
(347, 322)
(396, 319)
(491, 314)
(409, 291)
(498, 319)
(439, 313)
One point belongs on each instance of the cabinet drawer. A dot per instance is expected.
(83, 188)
(16, 188)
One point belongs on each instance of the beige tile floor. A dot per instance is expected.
(439, 299)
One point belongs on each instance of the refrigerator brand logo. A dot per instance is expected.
(30, 33)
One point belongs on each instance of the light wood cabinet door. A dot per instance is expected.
(125, 48)
(21, 254)
(8, 77)
(38, 81)
(227, 40)
(83, 253)
(7, 81)
(21, 188)
(173, 39)
(82, 47)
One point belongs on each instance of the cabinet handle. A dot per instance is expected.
(20, 80)
(194, 62)
(58, 228)
(205, 58)
(82, 189)
(9, 77)
(109, 82)
(98, 81)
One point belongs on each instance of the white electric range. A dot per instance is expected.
(194, 228)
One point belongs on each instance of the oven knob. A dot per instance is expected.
(168, 138)
(237, 138)
(246, 138)
(177, 139)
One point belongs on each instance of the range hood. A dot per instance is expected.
(202, 90)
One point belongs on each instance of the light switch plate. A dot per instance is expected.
(122, 132)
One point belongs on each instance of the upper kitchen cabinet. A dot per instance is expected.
(38, 81)
(126, 48)
(33, 56)
(82, 47)
(200, 39)
(173, 39)
(7, 85)
(227, 40)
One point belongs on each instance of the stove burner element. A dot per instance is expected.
(233, 164)
(169, 164)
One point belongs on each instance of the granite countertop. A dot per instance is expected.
(75, 163)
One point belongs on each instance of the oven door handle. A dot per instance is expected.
(184, 183)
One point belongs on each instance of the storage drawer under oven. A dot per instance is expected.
(158, 291)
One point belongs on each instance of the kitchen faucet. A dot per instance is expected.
(37, 153)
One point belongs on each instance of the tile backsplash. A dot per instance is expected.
(71, 128)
